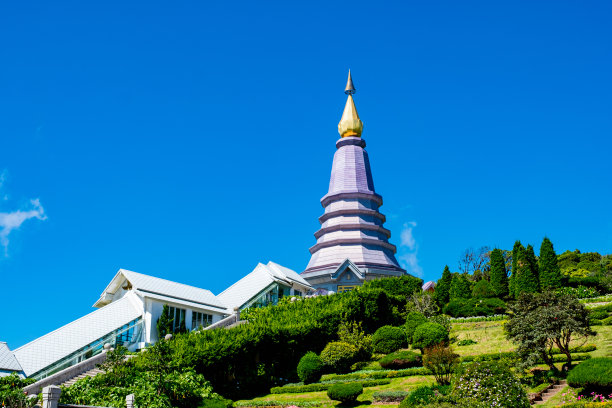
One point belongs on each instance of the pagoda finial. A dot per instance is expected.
(350, 124)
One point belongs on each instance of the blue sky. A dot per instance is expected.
(191, 140)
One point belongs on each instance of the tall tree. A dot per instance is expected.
(460, 287)
(442, 292)
(517, 250)
(499, 275)
(550, 273)
(164, 323)
(527, 277)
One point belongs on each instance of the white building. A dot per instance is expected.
(128, 310)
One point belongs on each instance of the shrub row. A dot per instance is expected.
(274, 403)
(389, 396)
(580, 349)
(588, 404)
(593, 374)
(401, 359)
(479, 319)
(474, 307)
(557, 358)
(295, 389)
(378, 374)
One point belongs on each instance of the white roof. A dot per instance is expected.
(7, 359)
(60, 343)
(146, 284)
(262, 276)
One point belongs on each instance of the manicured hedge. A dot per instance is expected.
(296, 389)
(593, 374)
(429, 334)
(346, 393)
(274, 403)
(557, 358)
(310, 368)
(413, 320)
(388, 339)
(389, 396)
(339, 356)
(401, 359)
(474, 307)
(378, 374)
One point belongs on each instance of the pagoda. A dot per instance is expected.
(352, 243)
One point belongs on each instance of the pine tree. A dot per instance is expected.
(550, 273)
(527, 277)
(442, 293)
(164, 323)
(516, 254)
(499, 275)
(460, 287)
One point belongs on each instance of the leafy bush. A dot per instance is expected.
(345, 393)
(474, 307)
(402, 286)
(389, 396)
(413, 320)
(594, 374)
(11, 394)
(466, 342)
(607, 321)
(483, 290)
(388, 339)
(421, 396)
(429, 334)
(578, 349)
(490, 383)
(493, 318)
(598, 314)
(443, 320)
(352, 333)
(339, 356)
(216, 403)
(310, 368)
(441, 361)
(378, 374)
(580, 292)
(401, 359)
(273, 403)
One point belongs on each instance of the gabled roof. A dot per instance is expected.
(150, 285)
(72, 337)
(262, 276)
(429, 285)
(347, 265)
(7, 359)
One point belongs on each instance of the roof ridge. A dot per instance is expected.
(166, 280)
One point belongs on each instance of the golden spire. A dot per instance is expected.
(350, 124)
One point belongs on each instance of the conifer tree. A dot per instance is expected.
(516, 254)
(499, 275)
(442, 293)
(527, 277)
(460, 287)
(550, 273)
(164, 323)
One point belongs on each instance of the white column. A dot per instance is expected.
(51, 396)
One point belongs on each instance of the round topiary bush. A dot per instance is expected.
(388, 339)
(490, 383)
(345, 393)
(310, 368)
(592, 375)
(413, 320)
(338, 356)
(401, 359)
(429, 334)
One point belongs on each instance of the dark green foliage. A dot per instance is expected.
(460, 287)
(428, 335)
(598, 314)
(443, 320)
(378, 374)
(421, 396)
(413, 320)
(466, 342)
(388, 339)
(475, 307)
(441, 361)
(550, 273)
(402, 286)
(594, 375)
(539, 322)
(310, 368)
(339, 356)
(400, 359)
(352, 333)
(216, 403)
(517, 253)
(374, 307)
(527, 277)
(298, 389)
(11, 395)
(490, 383)
(443, 285)
(499, 275)
(482, 290)
(164, 323)
(345, 393)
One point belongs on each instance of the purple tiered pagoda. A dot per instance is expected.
(352, 244)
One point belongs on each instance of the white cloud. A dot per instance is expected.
(409, 249)
(11, 221)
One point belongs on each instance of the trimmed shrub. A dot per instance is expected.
(421, 396)
(389, 396)
(400, 359)
(345, 393)
(443, 320)
(475, 307)
(593, 374)
(428, 335)
(299, 389)
(216, 403)
(598, 314)
(310, 368)
(339, 356)
(490, 383)
(413, 320)
(388, 339)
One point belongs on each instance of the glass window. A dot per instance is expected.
(297, 293)
(178, 316)
(199, 319)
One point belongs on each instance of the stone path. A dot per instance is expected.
(551, 392)
(91, 373)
